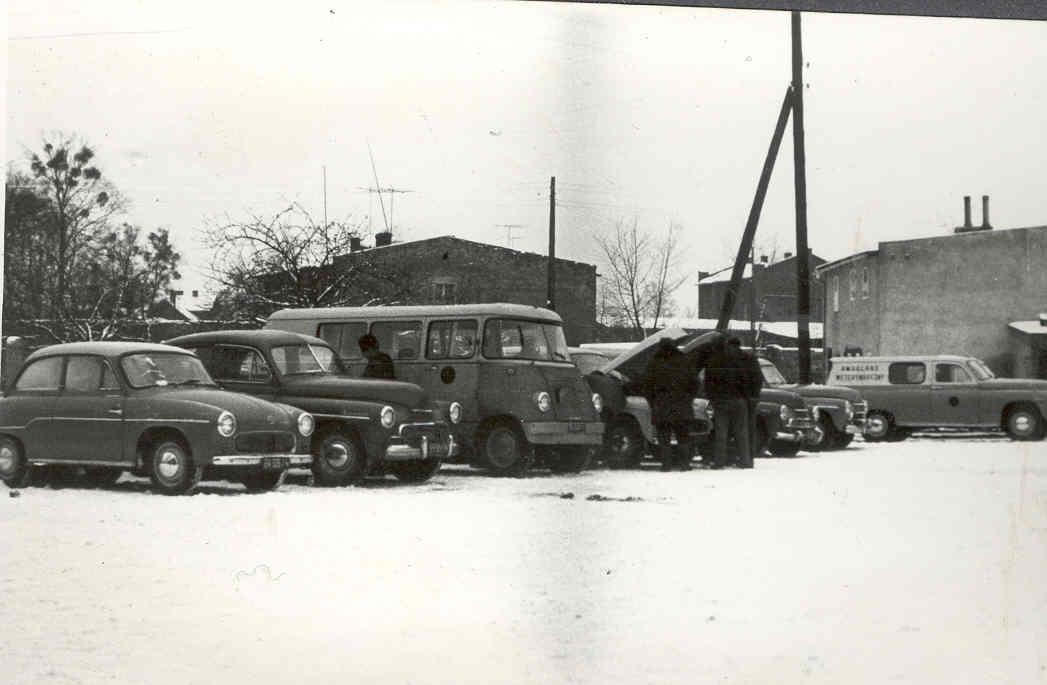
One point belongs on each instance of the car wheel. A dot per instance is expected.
(843, 440)
(101, 477)
(571, 459)
(877, 426)
(417, 471)
(338, 458)
(172, 469)
(262, 481)
(15, 470)
(825, 435)
(505, 450)
(1024, 423)
(623, 445)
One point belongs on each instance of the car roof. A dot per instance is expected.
(585, 350)
(449, 311)
(102, 348)
(904, 358)
(255, 337)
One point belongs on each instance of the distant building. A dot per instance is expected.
(194, 308)
(977, 292)
(774, 288)
(450, 270)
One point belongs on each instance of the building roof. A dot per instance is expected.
(461, 240)
(1029, 327)
(828, 266)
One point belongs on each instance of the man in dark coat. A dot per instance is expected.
(726, 371)
(670, 385)
(379, 364)
(752, 382)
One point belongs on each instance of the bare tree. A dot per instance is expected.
(642, 274)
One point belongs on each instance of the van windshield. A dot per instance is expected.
(980, 370)
(518, 339)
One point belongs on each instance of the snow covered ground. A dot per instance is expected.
(918, 562)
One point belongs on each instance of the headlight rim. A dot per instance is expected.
(454, 412)
(310, 420)
(226, 418)
(597, 400)
(539, 397)
(387, 417)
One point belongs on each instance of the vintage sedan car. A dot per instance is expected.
(364, 426)
(909, 393)
(629, 433)
(838, 412)
(109, 407)
(783, 422)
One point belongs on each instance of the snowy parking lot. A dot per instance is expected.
(917, 562)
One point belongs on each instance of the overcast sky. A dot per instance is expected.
(198, 110)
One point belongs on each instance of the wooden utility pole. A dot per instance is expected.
(551, 299)
(754, 215)
(803, 268)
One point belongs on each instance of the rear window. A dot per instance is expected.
(344, 337)
(43, 374)
(907, 373)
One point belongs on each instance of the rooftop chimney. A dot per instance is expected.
(1043, 318)
(196, 293)
(383, 238)
(355, 243)
(985, 214)
(763, 259)
(788, 255)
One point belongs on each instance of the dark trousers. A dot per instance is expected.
(682, 431)
(754, 436)
(731, 421)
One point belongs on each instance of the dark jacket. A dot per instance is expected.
(380, 365)
(752, 379)
(670, 384)
(726, 374)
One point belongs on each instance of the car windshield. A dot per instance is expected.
(588, 362)
(771, 374)
(516, 339)
(291, 360)
(980, 370)
(147, 369)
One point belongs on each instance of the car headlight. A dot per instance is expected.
(544, 402)
(454, 412)
(226, 424)
(849, 409)
(785, 412)
(597, 402)
(388, 417)
(306, 424)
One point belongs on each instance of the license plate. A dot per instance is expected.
(576, 428)
(275, 463)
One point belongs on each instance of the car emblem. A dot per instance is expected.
(270, 419)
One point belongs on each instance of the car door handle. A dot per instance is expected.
(118, 412)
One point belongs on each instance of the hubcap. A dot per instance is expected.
(7, 459)
(1022, 423)
(337, 454)
(501, 449)
(622, 444)
(876, 426)
(170, 464)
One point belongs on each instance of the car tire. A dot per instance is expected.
(843, 440)
(571, 459)
(415, 471)
(828, 432)
(262, 481)
(338, 458)
(172, 469)
(878, 426)
(505, 449)
(623, 445)
(1024, 422)
(101, 477)
(15, 469)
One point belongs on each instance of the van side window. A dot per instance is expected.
(344, 338)
(907, 373)
(950, 373)
(451, 340)
(399, 339)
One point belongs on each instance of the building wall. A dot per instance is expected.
(852, 307)
(775, 294)
(448, 270)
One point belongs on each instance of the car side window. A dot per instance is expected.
(109, 381)
(451, 340)
(239, 364)
(950, 373)
(344, 338)
(43, 374)
(83, 374)
(907, 373)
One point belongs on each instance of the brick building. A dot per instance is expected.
(450, 270)
(772, 286)
(958, 294)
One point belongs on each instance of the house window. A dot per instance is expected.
(865, 282)
(853, 283)
(444, 293)
(836, 293)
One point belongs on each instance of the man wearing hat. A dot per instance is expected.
(670, 385)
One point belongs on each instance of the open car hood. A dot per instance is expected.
(632, 363)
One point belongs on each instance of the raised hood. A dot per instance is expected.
(632, 363)
(405, 394)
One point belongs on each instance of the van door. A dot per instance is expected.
(955, 396)
(909, 395)
(450, 370)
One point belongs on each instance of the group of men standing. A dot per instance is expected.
(732, 385)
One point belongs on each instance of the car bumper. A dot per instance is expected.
(287, 460)
(790, 436)
(564, 432)
(426, 449)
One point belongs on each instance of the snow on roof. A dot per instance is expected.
(1029, 327)
(785, 329)
(724, 276)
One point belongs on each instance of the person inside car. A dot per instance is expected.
(379, 364)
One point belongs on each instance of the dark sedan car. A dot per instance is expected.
(363, 425)
(108, 407)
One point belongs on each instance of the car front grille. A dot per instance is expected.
(801, 419)
(412, 434)
(860, 411)
(265, 443)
